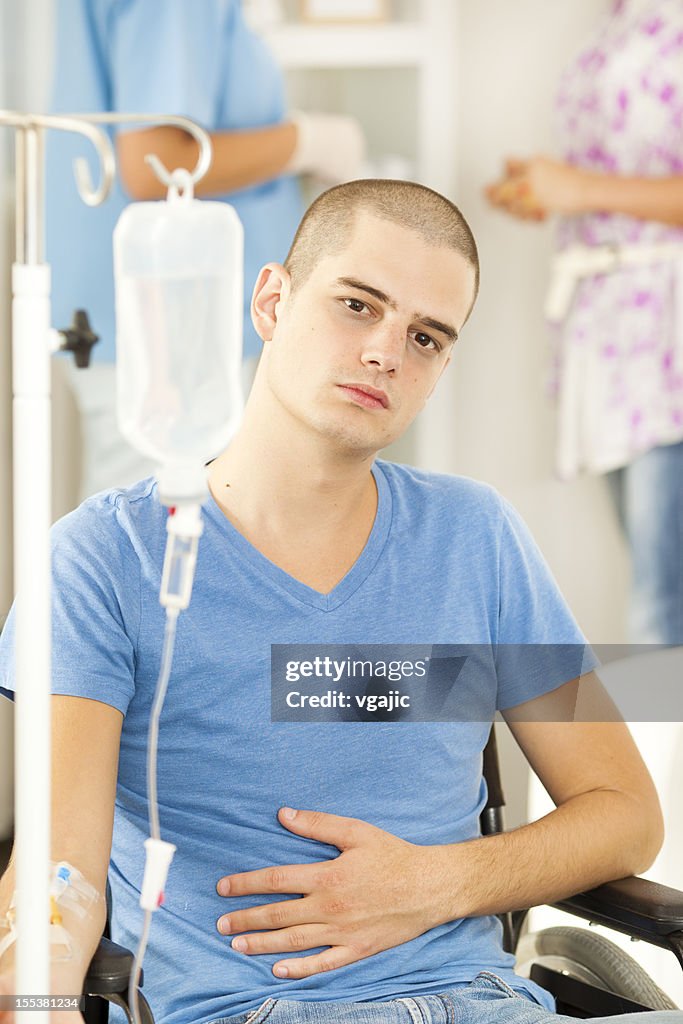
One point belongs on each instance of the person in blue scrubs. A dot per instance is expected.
(200, 60)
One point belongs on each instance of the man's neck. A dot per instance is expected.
(279, 486)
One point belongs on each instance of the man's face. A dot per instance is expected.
(358, 348)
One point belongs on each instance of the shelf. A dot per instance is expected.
(349, 46)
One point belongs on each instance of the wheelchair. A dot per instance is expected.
(587, 974)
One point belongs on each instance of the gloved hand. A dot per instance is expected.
(329, 146)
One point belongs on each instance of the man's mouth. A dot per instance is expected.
(371, 398)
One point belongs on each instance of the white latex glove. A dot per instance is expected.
(329, 146)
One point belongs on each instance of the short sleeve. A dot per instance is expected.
(95, 610)
(540, 645)
(166, 58)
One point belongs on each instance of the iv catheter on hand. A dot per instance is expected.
(32, 343)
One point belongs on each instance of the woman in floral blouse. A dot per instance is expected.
(619, 355)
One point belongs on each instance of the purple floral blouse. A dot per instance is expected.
(619, 354)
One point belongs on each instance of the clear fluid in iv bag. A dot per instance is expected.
(179, 387)
(179, 299)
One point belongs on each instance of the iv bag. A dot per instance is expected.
(178, 269)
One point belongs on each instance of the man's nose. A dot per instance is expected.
(385, 349)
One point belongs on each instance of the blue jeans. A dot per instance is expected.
(648, 497)
(486, 1000)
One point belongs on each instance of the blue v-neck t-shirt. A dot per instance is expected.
(448, 561)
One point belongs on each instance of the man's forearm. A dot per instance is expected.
(590, 839)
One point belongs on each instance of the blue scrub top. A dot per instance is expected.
(192, 57)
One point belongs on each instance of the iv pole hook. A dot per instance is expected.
(90, 195)
(85, 124)
(165, 176)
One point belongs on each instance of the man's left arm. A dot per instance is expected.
(382, 891)
(607, 821)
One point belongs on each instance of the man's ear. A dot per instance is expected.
(272, 287)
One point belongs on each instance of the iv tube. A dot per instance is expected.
(184, 527)
(155, 874)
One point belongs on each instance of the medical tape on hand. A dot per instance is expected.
(69, 891)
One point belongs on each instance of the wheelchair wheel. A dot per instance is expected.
(591, 958)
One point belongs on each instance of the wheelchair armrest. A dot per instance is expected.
(635, 906)
(110, 970)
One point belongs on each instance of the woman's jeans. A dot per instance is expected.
(486, 1000)
(648, 497)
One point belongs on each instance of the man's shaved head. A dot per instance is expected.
(328, 223)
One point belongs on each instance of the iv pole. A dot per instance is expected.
(32, 344)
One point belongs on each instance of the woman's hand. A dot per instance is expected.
(533, 188)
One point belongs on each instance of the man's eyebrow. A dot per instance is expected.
(351, 282)
(436, 325)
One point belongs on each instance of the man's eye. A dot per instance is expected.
(425, 341)
(355, 305)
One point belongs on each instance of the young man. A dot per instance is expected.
(328, 871)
